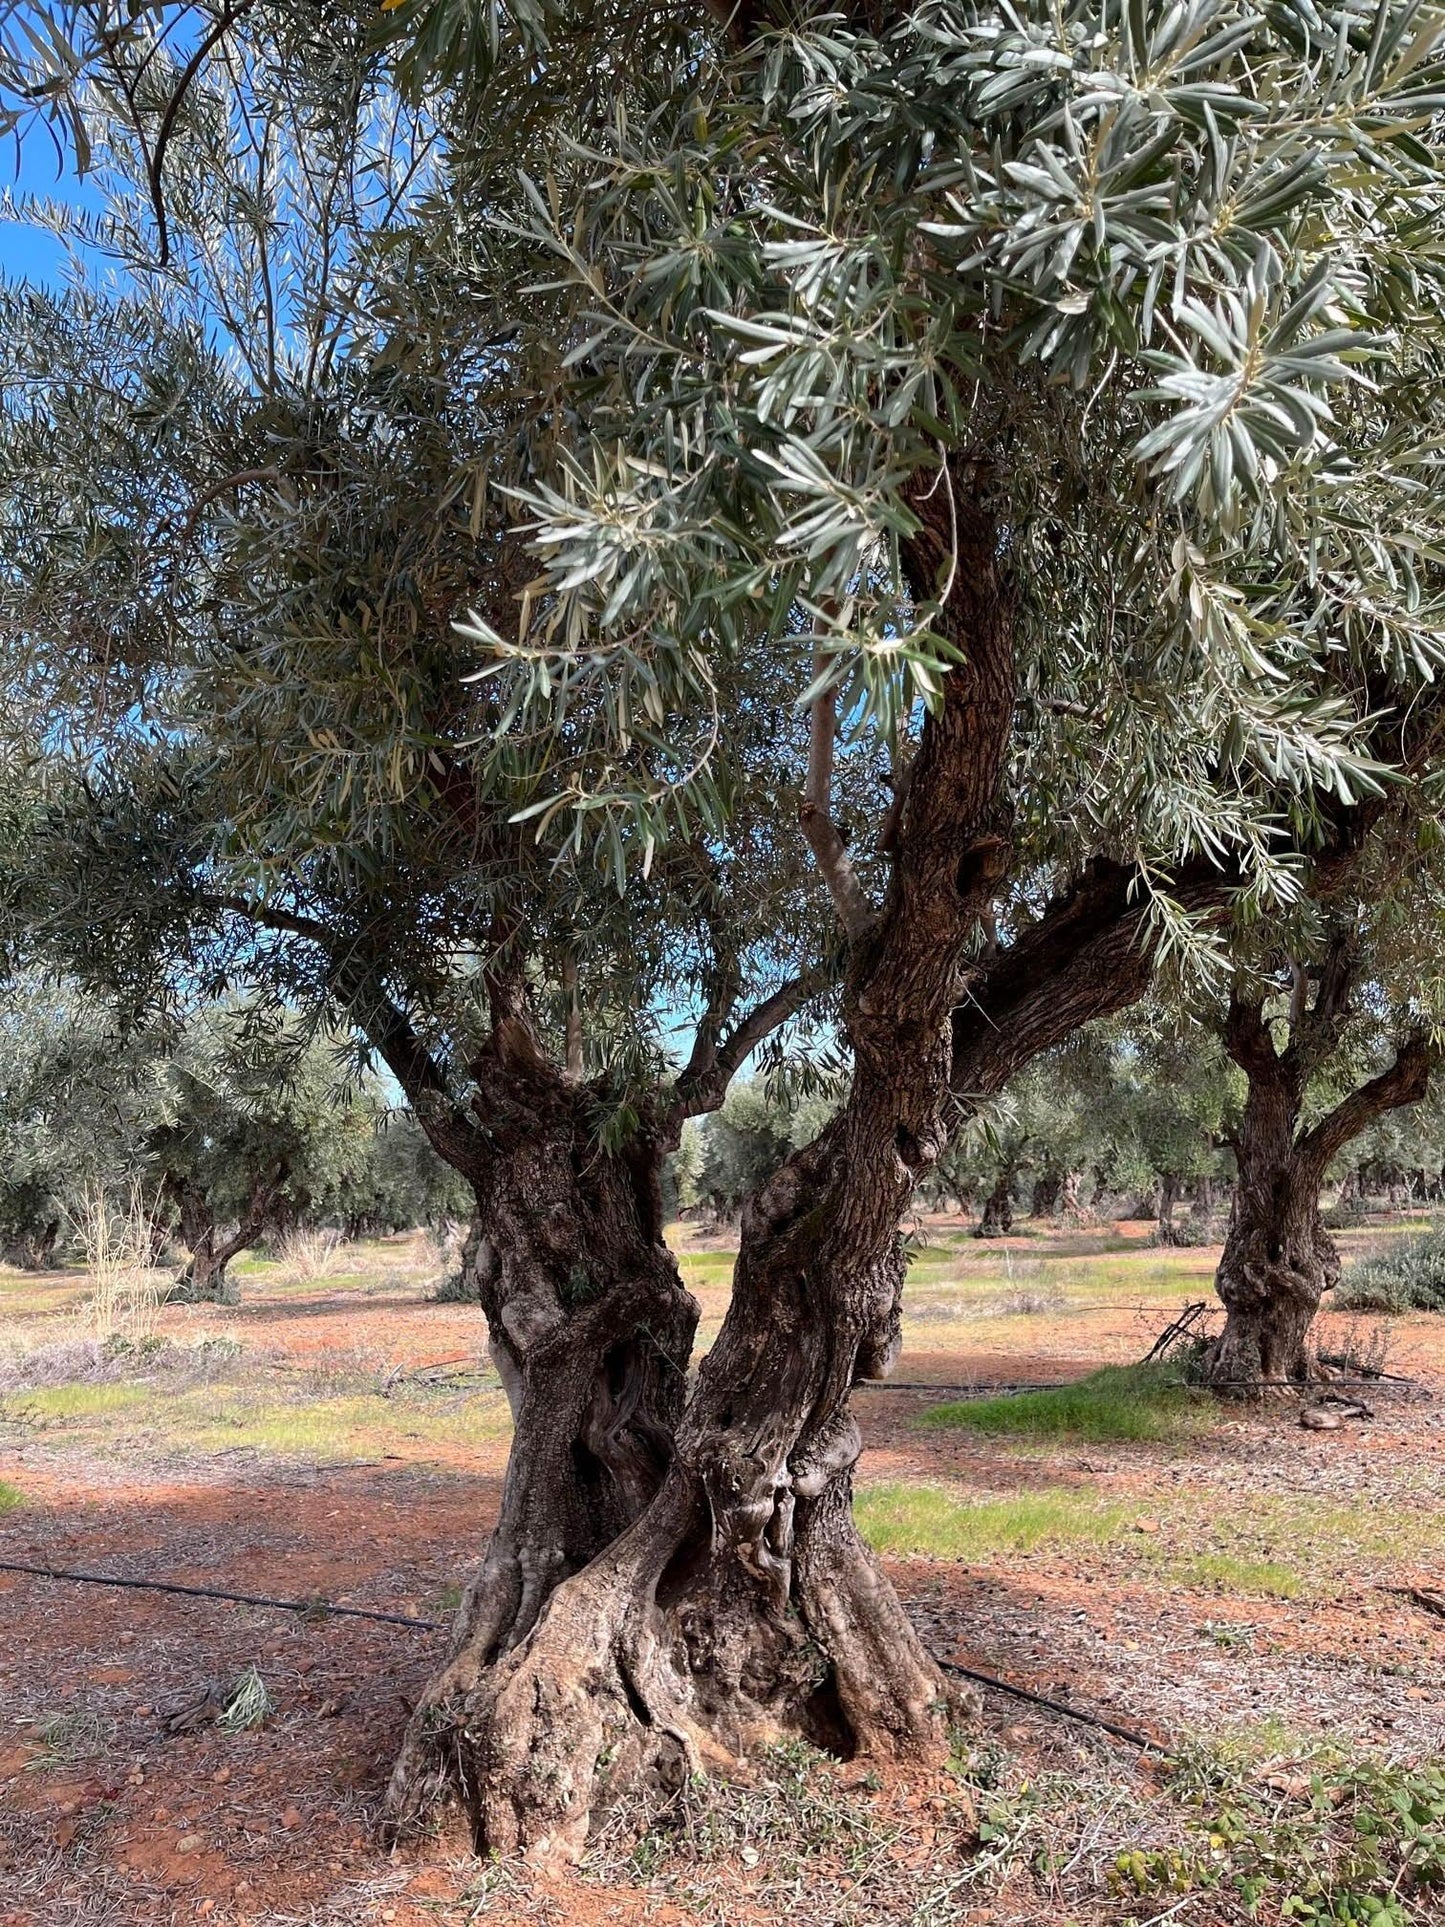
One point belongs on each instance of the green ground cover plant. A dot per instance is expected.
(1121, 1402)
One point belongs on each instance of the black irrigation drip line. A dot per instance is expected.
(1141, 1740)
(319, 1609)
(309, 1608)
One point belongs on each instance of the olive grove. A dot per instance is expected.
(896, 529)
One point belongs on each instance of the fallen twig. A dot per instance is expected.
(1173, 1334)
(1427, 1598)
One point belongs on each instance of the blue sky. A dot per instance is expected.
(37, 169)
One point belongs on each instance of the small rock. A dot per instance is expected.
(144, 1712)
(221, 1777)
(190, 1843)
(1146, 1525)
(241, 1887)
(1314, 1419)
(290, 1819)
(67, 1806)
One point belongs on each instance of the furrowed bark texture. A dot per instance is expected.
(590, 1328)
(741, 1604)
(1278, 1259)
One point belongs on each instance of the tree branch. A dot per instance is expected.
(230, 14)
(830, 852)
(1246, 1036)
(1085, 957)
(1405, 1082)
(355, 983)
(710, 1069)
(203, 501)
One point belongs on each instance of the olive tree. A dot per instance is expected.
(1022, 406)
(255, 1129)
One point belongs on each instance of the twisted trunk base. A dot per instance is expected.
(590, 1328)
(667, 1657)
(739, 1607)
(1272, 1276)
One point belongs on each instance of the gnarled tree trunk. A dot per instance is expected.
(1168, 1197)
(1045, 1200)
(741, 1603)
(998, 1209)
(590, 1328)
(1278, 1259)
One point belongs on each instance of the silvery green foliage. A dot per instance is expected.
(252, 456)
(1159, 284)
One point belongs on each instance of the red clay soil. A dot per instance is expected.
(106, 1816)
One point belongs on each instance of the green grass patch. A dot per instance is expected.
(1120, 1402)
(709, 1270)
(355, 1426)
(57, 1404)
(1227, 1572)
(10, 1496)
(935, 1522)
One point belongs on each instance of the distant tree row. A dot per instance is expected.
(232, 1131)
(1137, 1119)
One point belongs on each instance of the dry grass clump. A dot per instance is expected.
(117, 1239)
(308, 1254)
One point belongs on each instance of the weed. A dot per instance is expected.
(1409, 1275)
(1120, 1402)
(1316, 1839)
(1026, 1302)
(307, 1254)
(117, 1241)
(248, 1704)
(1228, 1637)
(53, 1404)
(1229, 1573)
(10, 1496)
(935, 1522)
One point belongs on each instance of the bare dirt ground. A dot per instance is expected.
(1222, 1585)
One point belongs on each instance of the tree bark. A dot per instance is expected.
(1045, 1200)
(998, 1209)
(1168, 1198)
(590, 1328)
(204, 1280)
(36, 1250)
(1278, 1259)
(741, 1603)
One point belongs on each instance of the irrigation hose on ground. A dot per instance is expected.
(320, 1609)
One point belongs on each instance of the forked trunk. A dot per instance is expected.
(1278, 1259)
(204, 1280)
(1278, 1263)
(741, 1604)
